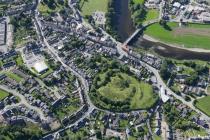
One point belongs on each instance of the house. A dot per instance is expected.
(14, 120)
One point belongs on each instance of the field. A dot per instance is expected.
(138, 1)
(195, 133)
(12, 76)
(123, 87)
(190, 36)
(90, 6)
(152, 14)
(3, 94)
(203, 104)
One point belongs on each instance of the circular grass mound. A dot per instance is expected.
(121, 92)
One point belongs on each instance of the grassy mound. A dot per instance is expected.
(121, 92)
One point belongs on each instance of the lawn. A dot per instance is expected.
(19, 60)
(66, 110)
(191, 36)
(23, 35)
(138, 1)
(3, 94)
(12, 76)
(203, 104)
(90, 6)
(195, 133)
(152, 14)
(122, 86)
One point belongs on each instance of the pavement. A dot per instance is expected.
(24, 101)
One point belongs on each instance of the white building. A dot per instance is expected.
(163, 94)
(40, 67)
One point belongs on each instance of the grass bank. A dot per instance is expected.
(190, 36)
(203, 104)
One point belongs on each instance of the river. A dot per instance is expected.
(124, 22)
(168, 51)
(125, 28)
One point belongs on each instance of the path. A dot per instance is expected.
(24, 101)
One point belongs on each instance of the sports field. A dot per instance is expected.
(204, 104)
(190, 36)
(122, 87)
(89, 6)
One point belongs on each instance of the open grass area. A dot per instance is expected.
(203, 104)
(123, 87)
(138, 1)
(23, 35)
(19, 60)
(45, 10)
(156, 137)
(3, 94)
(12, 76)
(90, 6)
(190, 36)
(195, 133)
(152, 14)
(66, 110)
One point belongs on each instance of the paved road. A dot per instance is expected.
(160, 82)
(24, 101)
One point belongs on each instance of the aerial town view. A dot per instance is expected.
(104, 69)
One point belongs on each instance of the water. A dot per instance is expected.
(168, 51)
(124, 22)
(125, 28)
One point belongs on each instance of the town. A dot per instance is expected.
(65, 75)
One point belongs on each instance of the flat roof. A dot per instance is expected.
(40, 66)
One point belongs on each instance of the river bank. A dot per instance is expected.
(171, 51)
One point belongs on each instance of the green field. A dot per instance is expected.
(19, 60)
(203, 104)
(123, 87)
(138, 1)
(3, 94)
(190, 36)
(152, 14)
(12, 76)
(89, 6)
(195, 133)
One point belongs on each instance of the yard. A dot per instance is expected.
(12, 76)
(195, 133)
(123, 87)
(45, 9)
(190, 36)
(3, 94)
(87, 7)
(152, 14)
(203, 104)
(138, 1)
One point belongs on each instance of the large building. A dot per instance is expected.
(40, 66)
(2, 33)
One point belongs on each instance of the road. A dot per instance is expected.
(160, 82)
(85, 84)
(24, 101)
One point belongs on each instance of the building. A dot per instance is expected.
(163, 94)
(40, 67)
(2, 33)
